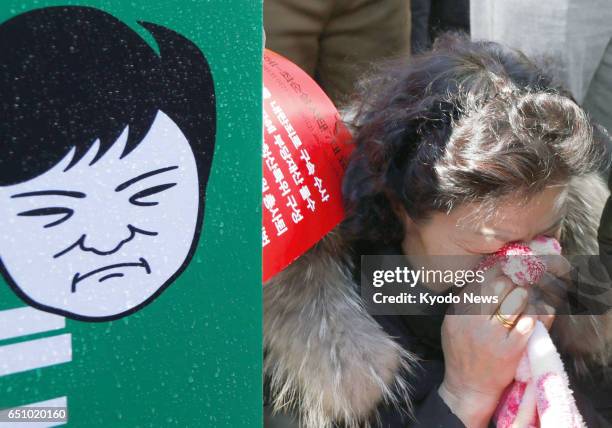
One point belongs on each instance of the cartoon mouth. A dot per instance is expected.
(80, 277)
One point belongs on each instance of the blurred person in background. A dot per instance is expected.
(575, 34)
(336, 41)
(433, 17)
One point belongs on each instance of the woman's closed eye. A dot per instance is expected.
(137, 197)
(495, 245)
(66, 213)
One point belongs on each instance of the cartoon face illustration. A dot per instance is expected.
(105, 152)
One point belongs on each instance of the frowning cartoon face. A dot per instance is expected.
(106, 146)
(98, 240)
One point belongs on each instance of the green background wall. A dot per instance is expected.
(193, 356)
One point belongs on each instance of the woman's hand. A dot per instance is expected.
(481, 355)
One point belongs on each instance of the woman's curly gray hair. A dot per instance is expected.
(465, 122)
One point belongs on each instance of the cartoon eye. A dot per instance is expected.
(134, 199)
(66, 212)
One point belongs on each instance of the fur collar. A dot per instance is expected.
(329, 361)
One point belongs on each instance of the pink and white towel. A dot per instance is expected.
(540, 396)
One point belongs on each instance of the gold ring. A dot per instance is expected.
(503, 320)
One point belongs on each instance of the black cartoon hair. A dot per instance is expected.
(71, 75)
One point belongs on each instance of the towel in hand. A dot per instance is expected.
(540, 396)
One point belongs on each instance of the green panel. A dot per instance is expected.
(193, 356)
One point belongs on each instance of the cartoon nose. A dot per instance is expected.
(107, 243)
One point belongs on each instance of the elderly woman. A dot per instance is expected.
(463, 150)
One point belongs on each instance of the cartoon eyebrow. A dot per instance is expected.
(68, 193)
(131, 181)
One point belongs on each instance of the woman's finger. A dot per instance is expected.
(541, 311)
(557, 265)
(511, 308)
(519, 335)
(552, 289)
(485, 297)
(493, 293)
(546, 314)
